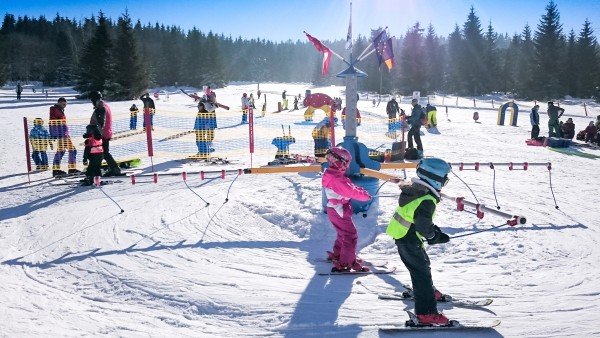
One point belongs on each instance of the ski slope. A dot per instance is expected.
(246, 265)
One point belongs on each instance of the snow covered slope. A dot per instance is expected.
(72, 265)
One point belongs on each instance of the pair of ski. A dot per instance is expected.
(375, 268)
(413, 322)
(413, 325)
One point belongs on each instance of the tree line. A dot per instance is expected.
(123, 59)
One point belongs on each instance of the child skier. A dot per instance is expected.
(339, 190)
(93, 153)
(40, 140)
(411, 224)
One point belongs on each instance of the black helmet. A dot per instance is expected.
(95, 96)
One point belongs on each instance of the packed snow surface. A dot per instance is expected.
(73, 265)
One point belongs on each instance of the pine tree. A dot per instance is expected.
(455, 65)
(526, 85)
(474, 45)
(194, 56)
(130, 78)
(569, 67)
(213, 69)
(95, 66)
(508, 82)
(434, 61)
(588, 62)
(412, 61)
(491, 60)
(548, 43)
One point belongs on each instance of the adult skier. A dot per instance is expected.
(102, 117)
(415, 127)
(411, 225)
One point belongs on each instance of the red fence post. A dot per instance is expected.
(251, 132)
(27, 150)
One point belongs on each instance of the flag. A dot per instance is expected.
(383, 48)
(349, 35)
(322, 49)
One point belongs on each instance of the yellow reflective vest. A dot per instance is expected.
(404, 217)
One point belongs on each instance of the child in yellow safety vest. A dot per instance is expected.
(411, 225)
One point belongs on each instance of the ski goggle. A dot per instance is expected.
(442, 180)
(336, 156)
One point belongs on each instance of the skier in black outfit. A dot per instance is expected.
(415, 127)
(148, 103)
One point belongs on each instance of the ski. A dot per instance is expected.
(381, 264)
(413, 325)
(407, 295)
(371, 272)
(78, 183)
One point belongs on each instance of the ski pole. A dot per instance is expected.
(99, 185)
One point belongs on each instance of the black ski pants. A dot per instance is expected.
(415, 132)
(535, 132)
(415, 259)
(112, 164)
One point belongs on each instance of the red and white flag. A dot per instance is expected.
(322, 49)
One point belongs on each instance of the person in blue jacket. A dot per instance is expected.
(40, 140)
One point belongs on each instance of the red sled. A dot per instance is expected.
(535, 143)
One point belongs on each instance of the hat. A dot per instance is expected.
(338, 158)
(38, 122)
(413, 101)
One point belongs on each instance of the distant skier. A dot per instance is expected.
(40, 141)
(411, 225)
(245, 108)
(339, 190)
(133, 113)
(19, 90)
(148, 104)
(320, 135)
(295, 103)
(391, 109)
(59, 130)
(415, 127)
(431, 116)
(285, 100)
(204, 128)
(534, 118)
(554, 113)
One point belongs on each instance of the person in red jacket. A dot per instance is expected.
(60, 131)
(102, 117)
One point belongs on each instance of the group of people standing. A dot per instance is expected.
(97, 140)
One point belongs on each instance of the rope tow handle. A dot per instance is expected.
(512, 220)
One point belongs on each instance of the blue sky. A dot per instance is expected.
(325, 19)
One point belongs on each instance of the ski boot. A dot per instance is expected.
(433, 319)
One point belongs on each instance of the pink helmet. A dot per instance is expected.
(338, 158)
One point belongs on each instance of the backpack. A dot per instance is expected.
(411, 154)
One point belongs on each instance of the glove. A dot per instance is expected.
(85, 161)
(438, 237)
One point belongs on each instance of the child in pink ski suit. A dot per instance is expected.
(339, 190)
